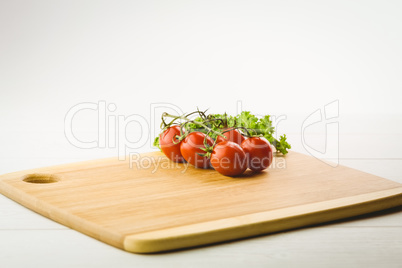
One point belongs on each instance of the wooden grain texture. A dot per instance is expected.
(156, 205)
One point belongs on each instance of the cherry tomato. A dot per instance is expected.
(258, 152)
(228, 158)
(231, 135)
(170, 145)
(191, 148)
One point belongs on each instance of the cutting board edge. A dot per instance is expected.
(91, 163)
(255, 224)
(59, 215)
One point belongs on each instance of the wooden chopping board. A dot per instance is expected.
(157, 205)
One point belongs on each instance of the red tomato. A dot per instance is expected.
(169, 148)
(191, 148)
(231, 135)
(258, 152)
(228, 158)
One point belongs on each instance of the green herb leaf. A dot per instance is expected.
(156, 143)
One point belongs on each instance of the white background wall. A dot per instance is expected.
(276, 57)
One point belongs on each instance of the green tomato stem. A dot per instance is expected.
(175, 117)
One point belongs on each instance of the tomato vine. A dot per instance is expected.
(214, 125)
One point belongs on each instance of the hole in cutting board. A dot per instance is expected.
(40, 178)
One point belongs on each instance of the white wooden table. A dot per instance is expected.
(30, 240)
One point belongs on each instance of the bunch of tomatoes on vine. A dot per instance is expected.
(229, 144)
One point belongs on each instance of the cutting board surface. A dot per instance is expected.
(156, 205)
